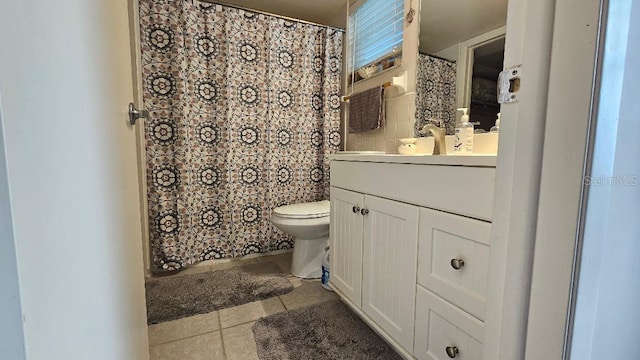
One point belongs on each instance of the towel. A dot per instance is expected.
(366, 110)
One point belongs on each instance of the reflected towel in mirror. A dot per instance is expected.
(366, 110)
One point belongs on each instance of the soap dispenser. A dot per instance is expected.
(464, 134)
(496, 128)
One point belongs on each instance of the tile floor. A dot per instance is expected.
(226, 334)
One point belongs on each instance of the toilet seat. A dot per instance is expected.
(310, 210)
(308, 223)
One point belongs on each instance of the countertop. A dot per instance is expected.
(479, 160)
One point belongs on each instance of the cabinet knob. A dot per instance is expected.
(356, 209)
(364, 212)
(457, 263)
(452, 351)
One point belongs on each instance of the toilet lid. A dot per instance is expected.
(305, 210)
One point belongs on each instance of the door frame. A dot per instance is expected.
(136, 66)
(466, 57)
(528, 45)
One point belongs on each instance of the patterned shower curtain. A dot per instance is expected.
(244, 111)
(436, 92)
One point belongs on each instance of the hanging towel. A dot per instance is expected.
(366, 110)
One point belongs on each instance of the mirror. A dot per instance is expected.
(461, 53)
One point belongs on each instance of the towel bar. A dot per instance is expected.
(399, 82)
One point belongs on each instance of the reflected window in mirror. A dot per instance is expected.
(375, 34)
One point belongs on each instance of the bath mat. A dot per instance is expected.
(328, 330)
(180, 296)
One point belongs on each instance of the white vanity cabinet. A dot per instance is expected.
(375, 241)
(410, 246)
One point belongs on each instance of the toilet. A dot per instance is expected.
(308, 223)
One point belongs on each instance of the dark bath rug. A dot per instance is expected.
(180, 296)
(328, 330)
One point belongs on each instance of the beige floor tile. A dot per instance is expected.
(239, 343)
(306, 292)
(283, 260)
(183, 328)
(201, 347)
(232, 264)
(249, 312)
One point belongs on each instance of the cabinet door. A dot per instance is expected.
(345, 240)
(389, 271)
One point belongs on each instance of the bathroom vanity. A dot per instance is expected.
(410, 247)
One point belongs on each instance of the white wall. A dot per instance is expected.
(11, 331)
(607, 314)
(65, 80)
(339, 19)
(450, 53)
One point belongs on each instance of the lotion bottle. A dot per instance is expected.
(464, 134)
(496, 128)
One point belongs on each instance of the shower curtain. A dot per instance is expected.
(244, 111)
(436, 92)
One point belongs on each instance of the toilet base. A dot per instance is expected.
(306, 261)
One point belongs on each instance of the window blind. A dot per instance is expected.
(375, 31)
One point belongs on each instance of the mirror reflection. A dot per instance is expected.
(488, 60)
(461, 53)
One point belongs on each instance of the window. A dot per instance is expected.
(375, 32)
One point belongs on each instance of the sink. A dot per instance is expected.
(483, 144)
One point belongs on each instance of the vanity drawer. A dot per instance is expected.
(453, 259)
(441, 327)
(439, 187)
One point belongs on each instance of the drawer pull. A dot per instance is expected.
(364, 212)
(356, 209)
(457, 263)
(452, 351)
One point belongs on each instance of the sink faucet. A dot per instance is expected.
(439, 143)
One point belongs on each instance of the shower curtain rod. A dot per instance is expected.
(269, 14)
